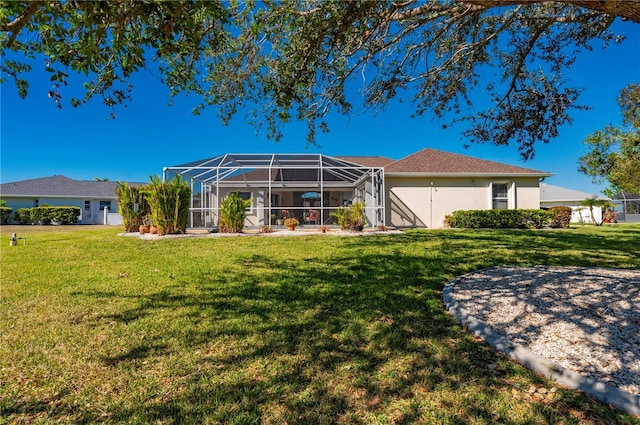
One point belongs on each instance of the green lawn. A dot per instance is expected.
(96, 328)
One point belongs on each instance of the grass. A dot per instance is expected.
(97, 328)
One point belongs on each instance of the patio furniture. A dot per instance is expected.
(312, 215)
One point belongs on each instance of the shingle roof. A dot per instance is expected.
(433, 161)
(549, 193)
(368, 161)
(60, 186)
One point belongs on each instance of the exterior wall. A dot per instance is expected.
(93, 216)
(424, 201)
(527, 193)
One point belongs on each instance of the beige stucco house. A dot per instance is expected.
(416, 191)
(426, 186)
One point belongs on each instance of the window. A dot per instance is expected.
(245, 196)
(105, 204)
(499, 196)
(87, 205)
(36, 203)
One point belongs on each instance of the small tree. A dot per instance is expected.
(594, 202)
(233, 212)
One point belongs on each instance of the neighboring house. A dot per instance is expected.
(93, 197)
(551, 196)
(416, 191)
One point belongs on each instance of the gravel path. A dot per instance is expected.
(587, 320)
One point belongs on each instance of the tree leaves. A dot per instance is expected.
(493, 68)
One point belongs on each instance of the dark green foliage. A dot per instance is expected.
(48, 215)
(352, 218)
(561, 217)
(132, 205)
(5, 214)
(233, 212)
(500, 219)
(299, 60)
(169, 203)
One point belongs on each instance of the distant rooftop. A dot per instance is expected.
(60, 186)
(551, 193)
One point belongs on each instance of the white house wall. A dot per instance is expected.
(424, 201)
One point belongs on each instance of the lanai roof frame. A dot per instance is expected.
(223, 167)
(284, 171)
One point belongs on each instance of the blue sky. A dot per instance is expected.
(38, 139)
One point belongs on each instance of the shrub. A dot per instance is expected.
(132, 206)
(561, 217)
(5, 214)
(41, 215)
(499, 219)
(352, 218)
(534, 219)
(22, 215)
(233, 212)
(169, 203)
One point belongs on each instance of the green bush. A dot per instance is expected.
(60, 215)
(561, 217)
(41, 215)
(169, 203)
(66, 215)
(132, 205)
(22, 215)
(233, 212)
(352, 218)
(499, 219)
(5, 214)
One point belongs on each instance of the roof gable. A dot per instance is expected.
(433, 161)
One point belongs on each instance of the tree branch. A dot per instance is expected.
(15, 26)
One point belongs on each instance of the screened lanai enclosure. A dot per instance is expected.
(307, 186)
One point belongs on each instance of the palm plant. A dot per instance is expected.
(169, 202)
(352, 218)
(132, 205)
(233, 212)
(595, 202)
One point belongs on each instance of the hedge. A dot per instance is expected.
(500, 219)
(5, 214)
(22, 215)
(47, 215)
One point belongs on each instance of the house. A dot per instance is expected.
(551, 196)
(416, 191)
(93, 197)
